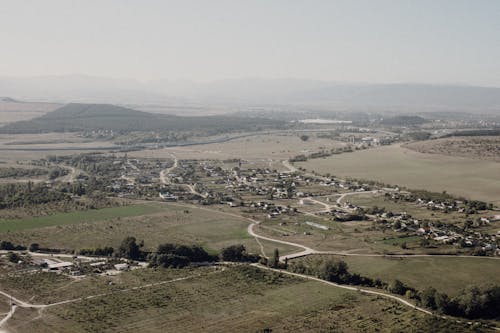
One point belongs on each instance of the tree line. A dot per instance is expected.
(473, 302)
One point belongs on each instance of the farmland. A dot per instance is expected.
(242, 299)
(481, 147)
(176, 238)
(396, 165)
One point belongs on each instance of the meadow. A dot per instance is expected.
(254, 148)
(446, 274)
(60, 219)
(154, 223)
(474, 179)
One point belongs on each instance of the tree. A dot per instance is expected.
(275, 261)
(129, 249)
(397, 287)
(13, 257)
(424, 242)
(428, 297)
(34, 247)
(233, 253)
(237, 253)
(304, 137)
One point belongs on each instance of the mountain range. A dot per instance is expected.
(405, 97)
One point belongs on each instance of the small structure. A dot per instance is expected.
(122, 267)
(306, 201)
(317, 225)
(58, 266)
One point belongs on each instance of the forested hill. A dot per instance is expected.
(89, 117)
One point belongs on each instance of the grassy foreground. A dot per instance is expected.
(239, 299)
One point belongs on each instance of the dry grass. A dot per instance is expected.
(262, 147)
(475, 179)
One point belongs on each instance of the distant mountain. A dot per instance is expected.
(8, 100)
(403, 121)
(332, 95)
(370, 97)
(77, 117)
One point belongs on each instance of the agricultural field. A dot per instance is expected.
(421, 272)
(243, 299)
(260, 147)
(470, 178)
(207, 195)
(482, 147)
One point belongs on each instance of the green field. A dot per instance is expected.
(238, 299)
(475, 179)
(446, 274)
(155, 223)
(76, 217)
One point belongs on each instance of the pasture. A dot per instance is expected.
(473, 179)
(60, 219)
(446, 274)
(155, 223)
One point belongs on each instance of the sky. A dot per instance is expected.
(370, 41)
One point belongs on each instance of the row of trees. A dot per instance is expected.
(178, 255)
(473, 302)
(106, 251)
(22, 172)
(28, 194)
(334, 271)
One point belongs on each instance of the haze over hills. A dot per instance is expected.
(338, 96)
(76, 117)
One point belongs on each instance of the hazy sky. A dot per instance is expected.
(435, 41)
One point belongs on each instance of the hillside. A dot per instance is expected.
(77, 117)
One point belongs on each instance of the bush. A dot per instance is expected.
(237, 253)
(178, 256)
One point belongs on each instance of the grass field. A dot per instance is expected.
(353, 237)
(155, 223)
(443, 273)
(76, 217)
(476, 179)
(262, 147)
(240, 299)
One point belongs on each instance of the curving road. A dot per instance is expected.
(164, 173)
